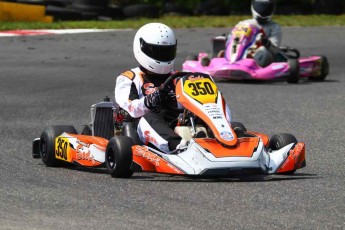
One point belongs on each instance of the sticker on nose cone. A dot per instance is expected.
(225, 135)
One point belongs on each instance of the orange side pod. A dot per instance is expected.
(151, 162)
(295, 159)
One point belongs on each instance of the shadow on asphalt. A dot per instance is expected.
(244, 178)
(235, 177)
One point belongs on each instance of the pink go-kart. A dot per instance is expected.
(233, 59)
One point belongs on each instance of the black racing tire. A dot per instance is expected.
(47, 142)
(294, 74)
(238, 128)
(176, 9)
(324, 70)
(205, 61)
(192, 57)
(62, 13)
(236, 124)
(281, 140)
(118, 157)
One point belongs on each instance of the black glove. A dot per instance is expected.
(265, 42)
(153, 100)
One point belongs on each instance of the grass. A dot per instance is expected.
(179, 22)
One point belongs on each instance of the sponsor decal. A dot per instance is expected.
(193, 78)
(131, 108)
(83, 152)
(145, 153)
(149, 138)
(277, 66)
(149, 88)
(225, 135)
(214, 112)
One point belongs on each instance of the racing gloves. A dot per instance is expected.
(154, 100)
(265, 42)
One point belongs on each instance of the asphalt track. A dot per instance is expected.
(46, 80)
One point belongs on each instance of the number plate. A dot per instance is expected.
(62, 149)
(201, 89)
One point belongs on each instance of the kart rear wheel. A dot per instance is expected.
(47, 142)
(118, 156)
(281, 140)
(294, 74)
(324, 70)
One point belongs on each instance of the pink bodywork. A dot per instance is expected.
(236, 65)
(248, 69)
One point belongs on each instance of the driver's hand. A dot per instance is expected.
(154, 100)
(265, 41)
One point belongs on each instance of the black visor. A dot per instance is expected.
(264, 8)
(162, 53)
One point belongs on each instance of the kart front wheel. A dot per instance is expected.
(239, 128)
(294, 74)
(281, 140)
(323, 71)
(47, 142)
(118, 156)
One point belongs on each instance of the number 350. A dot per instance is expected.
(61, 150)
(201, 88)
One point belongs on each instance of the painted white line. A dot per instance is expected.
(11, 33)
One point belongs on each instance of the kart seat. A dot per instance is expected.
(129, 130)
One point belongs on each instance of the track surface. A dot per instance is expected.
(47, 80)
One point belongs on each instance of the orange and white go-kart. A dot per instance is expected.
(220, 150)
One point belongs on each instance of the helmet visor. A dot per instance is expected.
(162, 53)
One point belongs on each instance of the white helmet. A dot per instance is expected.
(154, 47)
(263, 10)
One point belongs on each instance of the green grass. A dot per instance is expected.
(179, 22)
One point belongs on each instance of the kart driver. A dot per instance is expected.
(137, 90)
(262, 11)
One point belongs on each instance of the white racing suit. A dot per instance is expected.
(154, 128)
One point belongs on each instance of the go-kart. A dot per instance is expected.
(237, 62)
(222, 148)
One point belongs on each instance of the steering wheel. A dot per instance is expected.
(172, 78)
(179, 75)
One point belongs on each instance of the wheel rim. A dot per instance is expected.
(111, 160)
(43, 147)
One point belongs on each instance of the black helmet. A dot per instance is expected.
(263, 10)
